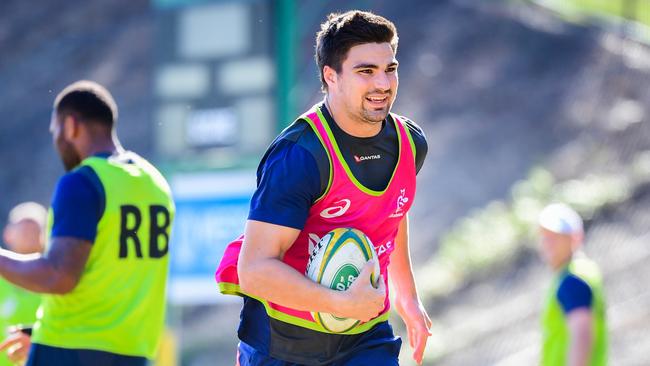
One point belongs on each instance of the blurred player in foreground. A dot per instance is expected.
(105, 268)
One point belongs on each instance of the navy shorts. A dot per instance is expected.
(378, 347)
(42, 355)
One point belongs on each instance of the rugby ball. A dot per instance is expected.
(336, 262)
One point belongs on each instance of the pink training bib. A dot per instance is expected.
(346, 203)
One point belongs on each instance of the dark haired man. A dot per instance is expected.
(347, 162)
(105, 270)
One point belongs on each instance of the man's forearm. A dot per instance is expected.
(30, 271)
(400, 270)
(403, 282)
(264, 275)
(580, 351)
(277, 282)
(580, 328)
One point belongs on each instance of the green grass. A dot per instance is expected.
(638, 10)
(635, 10)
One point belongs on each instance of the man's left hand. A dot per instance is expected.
(418, 325)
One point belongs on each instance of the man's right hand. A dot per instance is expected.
(17, 347)
(362, 301)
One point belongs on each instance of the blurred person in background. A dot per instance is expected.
(104, 273)
(347, 162)
(23, 234)
(574, 324)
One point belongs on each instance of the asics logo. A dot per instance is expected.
(336, 211)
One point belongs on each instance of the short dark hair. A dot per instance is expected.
(342, 31)
(89, 101)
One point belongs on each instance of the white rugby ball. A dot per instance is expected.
(336, 262)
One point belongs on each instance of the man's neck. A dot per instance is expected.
(348, 124)
(562, 266)
(101, 146)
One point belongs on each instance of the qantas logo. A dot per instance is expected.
(336, 211)
(359, 159)
(384, 248)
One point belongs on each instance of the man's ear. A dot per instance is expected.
(70, 127)
(577, 240)
(330, 76)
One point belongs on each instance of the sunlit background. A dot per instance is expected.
(523, 102)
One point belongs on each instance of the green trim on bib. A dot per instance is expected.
(345, 166)
(329, 158)
(234, 289)
(410, 137)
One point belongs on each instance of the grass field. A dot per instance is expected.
(636, 10)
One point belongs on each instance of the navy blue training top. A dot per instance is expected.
(574, 293)
(78, 204)
(294, 171)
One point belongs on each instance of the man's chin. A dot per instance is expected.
(376, 116)
(374, 119)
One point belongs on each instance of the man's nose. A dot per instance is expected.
(382, 82)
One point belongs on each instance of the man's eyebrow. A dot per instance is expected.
(365, 66)
(372, 66)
